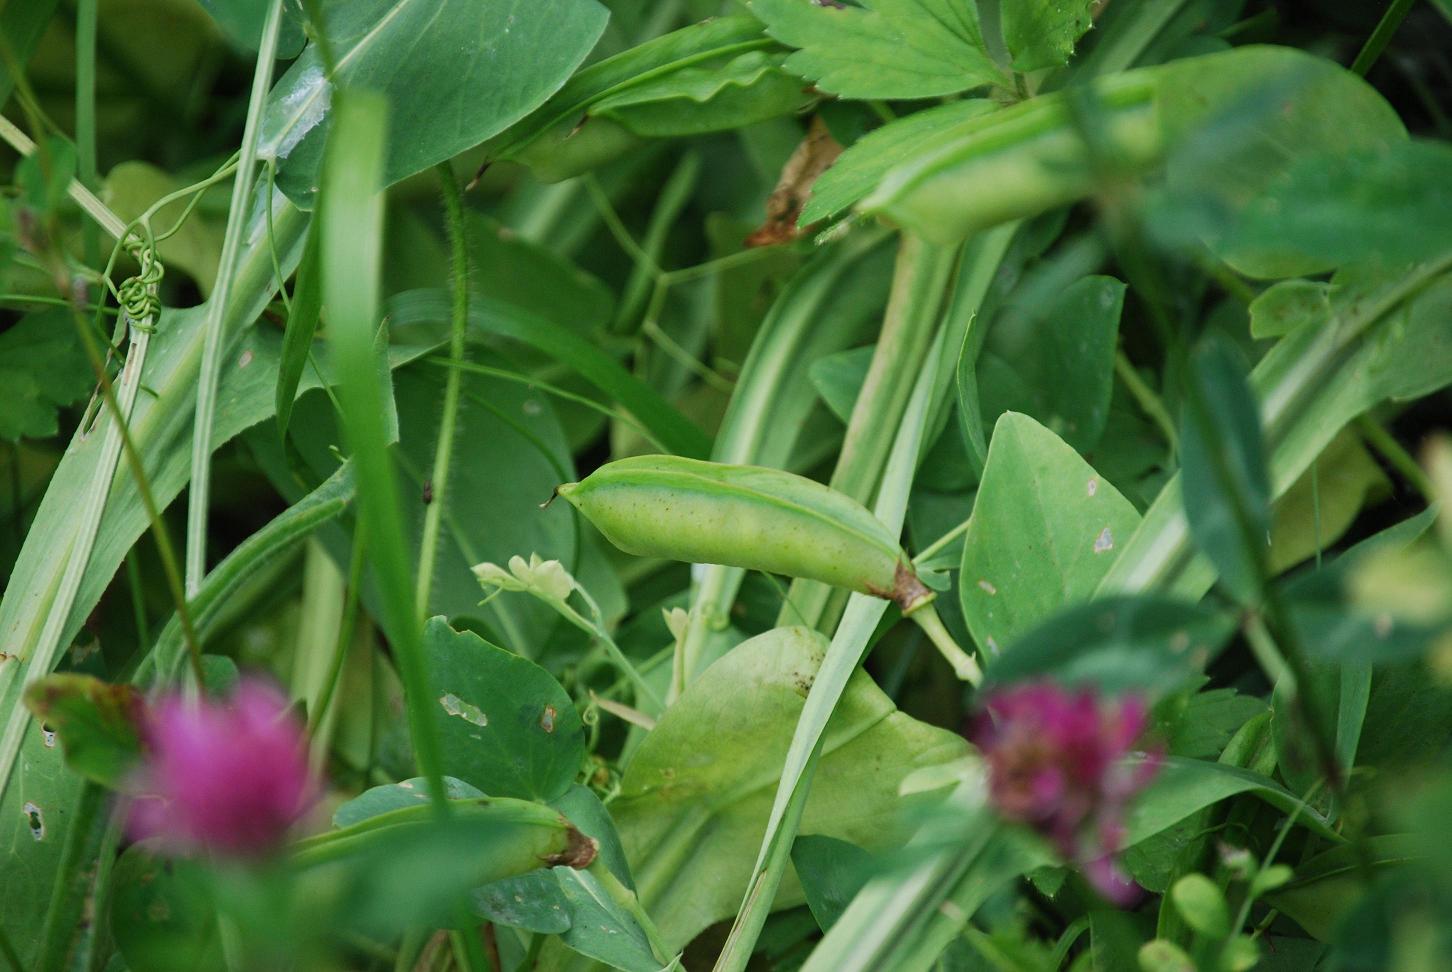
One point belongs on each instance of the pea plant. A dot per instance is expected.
(825, 485)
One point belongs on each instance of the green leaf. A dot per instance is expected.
(1330, 885)
(1322, 505)
(1202, 904)
(1183, 786)
(163, 914)
(438, 65)
(1042, 33)
(1226, 483)
(675, 431)
(505, 725)
(302, 324)
(1142, 644)
(97, 723)
(241, 22)
(35, 821)
(749, 88)
(1056, 362)
(832, 871)
(695, 798)
(396, 796)
(1342, 207)
(862, 165)
(508, 427)
(42, 368)
(838, 378)
(44, 176)
(1045, 529)
(1281, 308)
(22, 25)
(884, 48)
(554, 143)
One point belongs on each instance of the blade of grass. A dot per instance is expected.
(845, 653)
(209, 377)
(351, 216)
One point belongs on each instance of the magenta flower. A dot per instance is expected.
(1056, 763)
(228, 776)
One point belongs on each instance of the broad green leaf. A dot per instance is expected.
(1225, 480)
(553, 142)
(503, 425)
(1343, 207)
(695, 797)
(98, 724)
(163, 914)
(1117, 645)
(1055, 362)
(600, 928)
(1042, 33)
(1045, 529)
(1281, 308)
(832, 871)
(1328, 886)
(884, 48)
(241, 22)
(396, 796)
(438, 64)
(505, 725)
(42, 369)
(749, 88)
(35, 821)
(1321, 505)
(196, 248)
(1183, 786)
(863, 164)
(675, 431)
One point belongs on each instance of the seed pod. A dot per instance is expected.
(746, 516)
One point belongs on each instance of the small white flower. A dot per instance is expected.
(545, 578)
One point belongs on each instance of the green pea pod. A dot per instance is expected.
(746, 516)
(759, 519)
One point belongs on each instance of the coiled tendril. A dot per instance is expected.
(138, 295)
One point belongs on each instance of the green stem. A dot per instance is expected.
(1377, 436)
(444, 450)
(964, 664)
(932, 549)
(1149, 402)
(210, 375)
(1381, 36)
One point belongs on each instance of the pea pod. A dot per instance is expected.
(759, 519)
(746, 516)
